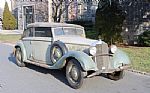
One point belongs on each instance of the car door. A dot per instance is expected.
(26, 38)
(41, 44)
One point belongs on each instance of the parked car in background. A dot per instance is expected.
(61, 45)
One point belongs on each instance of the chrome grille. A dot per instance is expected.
(102, 57)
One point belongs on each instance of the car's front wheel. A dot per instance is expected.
(18, 55)
(74, 74)
(116, 75)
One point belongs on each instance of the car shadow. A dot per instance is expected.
(11, 58)
(58, 74)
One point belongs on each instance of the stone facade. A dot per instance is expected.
(82, 10)
(28, 11)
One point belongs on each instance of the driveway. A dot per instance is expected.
(33, 79)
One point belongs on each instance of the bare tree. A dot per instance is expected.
(59, 7)
(41, 13)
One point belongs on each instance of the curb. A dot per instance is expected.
(139, 72)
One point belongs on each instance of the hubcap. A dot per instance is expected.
(57, 54)
(74, 73)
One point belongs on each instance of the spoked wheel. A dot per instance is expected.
(18, 55)
(56, 54)
(74, 74)
(57, 50)
(116, 75)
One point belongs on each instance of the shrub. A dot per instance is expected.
(144, 38)
(9, 21)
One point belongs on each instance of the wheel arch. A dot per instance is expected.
(84, 60)
(21, 46)
(70, 58)
(119, 58)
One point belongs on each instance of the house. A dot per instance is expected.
(29, 11)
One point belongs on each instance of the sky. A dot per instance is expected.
(2, 3)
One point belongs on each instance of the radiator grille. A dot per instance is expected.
(101, 58)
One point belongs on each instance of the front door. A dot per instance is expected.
(41, 44)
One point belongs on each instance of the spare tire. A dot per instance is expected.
(57, 50)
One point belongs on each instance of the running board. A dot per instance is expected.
(39, 64)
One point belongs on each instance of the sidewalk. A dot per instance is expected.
(8, 43)
(6, 32)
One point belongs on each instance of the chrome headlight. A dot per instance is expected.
(92, 51)
(113, 48)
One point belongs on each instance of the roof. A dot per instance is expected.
(52, 24)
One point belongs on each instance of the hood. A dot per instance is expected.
(77, 40)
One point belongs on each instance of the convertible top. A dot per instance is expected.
(52, 24)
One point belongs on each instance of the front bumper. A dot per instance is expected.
(117, 69)
(109, 70)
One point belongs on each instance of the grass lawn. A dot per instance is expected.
(9, 38)
(140, 57)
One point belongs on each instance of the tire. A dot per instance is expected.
(116, 75)
(74, 74)
(18, 56)
(58, 49)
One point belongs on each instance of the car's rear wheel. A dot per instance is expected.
(116, 75)
(18, 55)
(74, 74)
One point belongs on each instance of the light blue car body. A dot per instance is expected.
(119, 58)
(85, 60)
(116, 60)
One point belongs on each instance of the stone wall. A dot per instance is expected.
(39, 13)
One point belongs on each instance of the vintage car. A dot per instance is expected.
(61, 45)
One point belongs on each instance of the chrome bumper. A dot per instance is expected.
(108, 70)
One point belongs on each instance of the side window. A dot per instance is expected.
(43, 32)
(58, 31)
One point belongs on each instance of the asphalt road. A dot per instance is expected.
(33, 79)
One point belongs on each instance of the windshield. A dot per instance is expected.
(68, 31)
